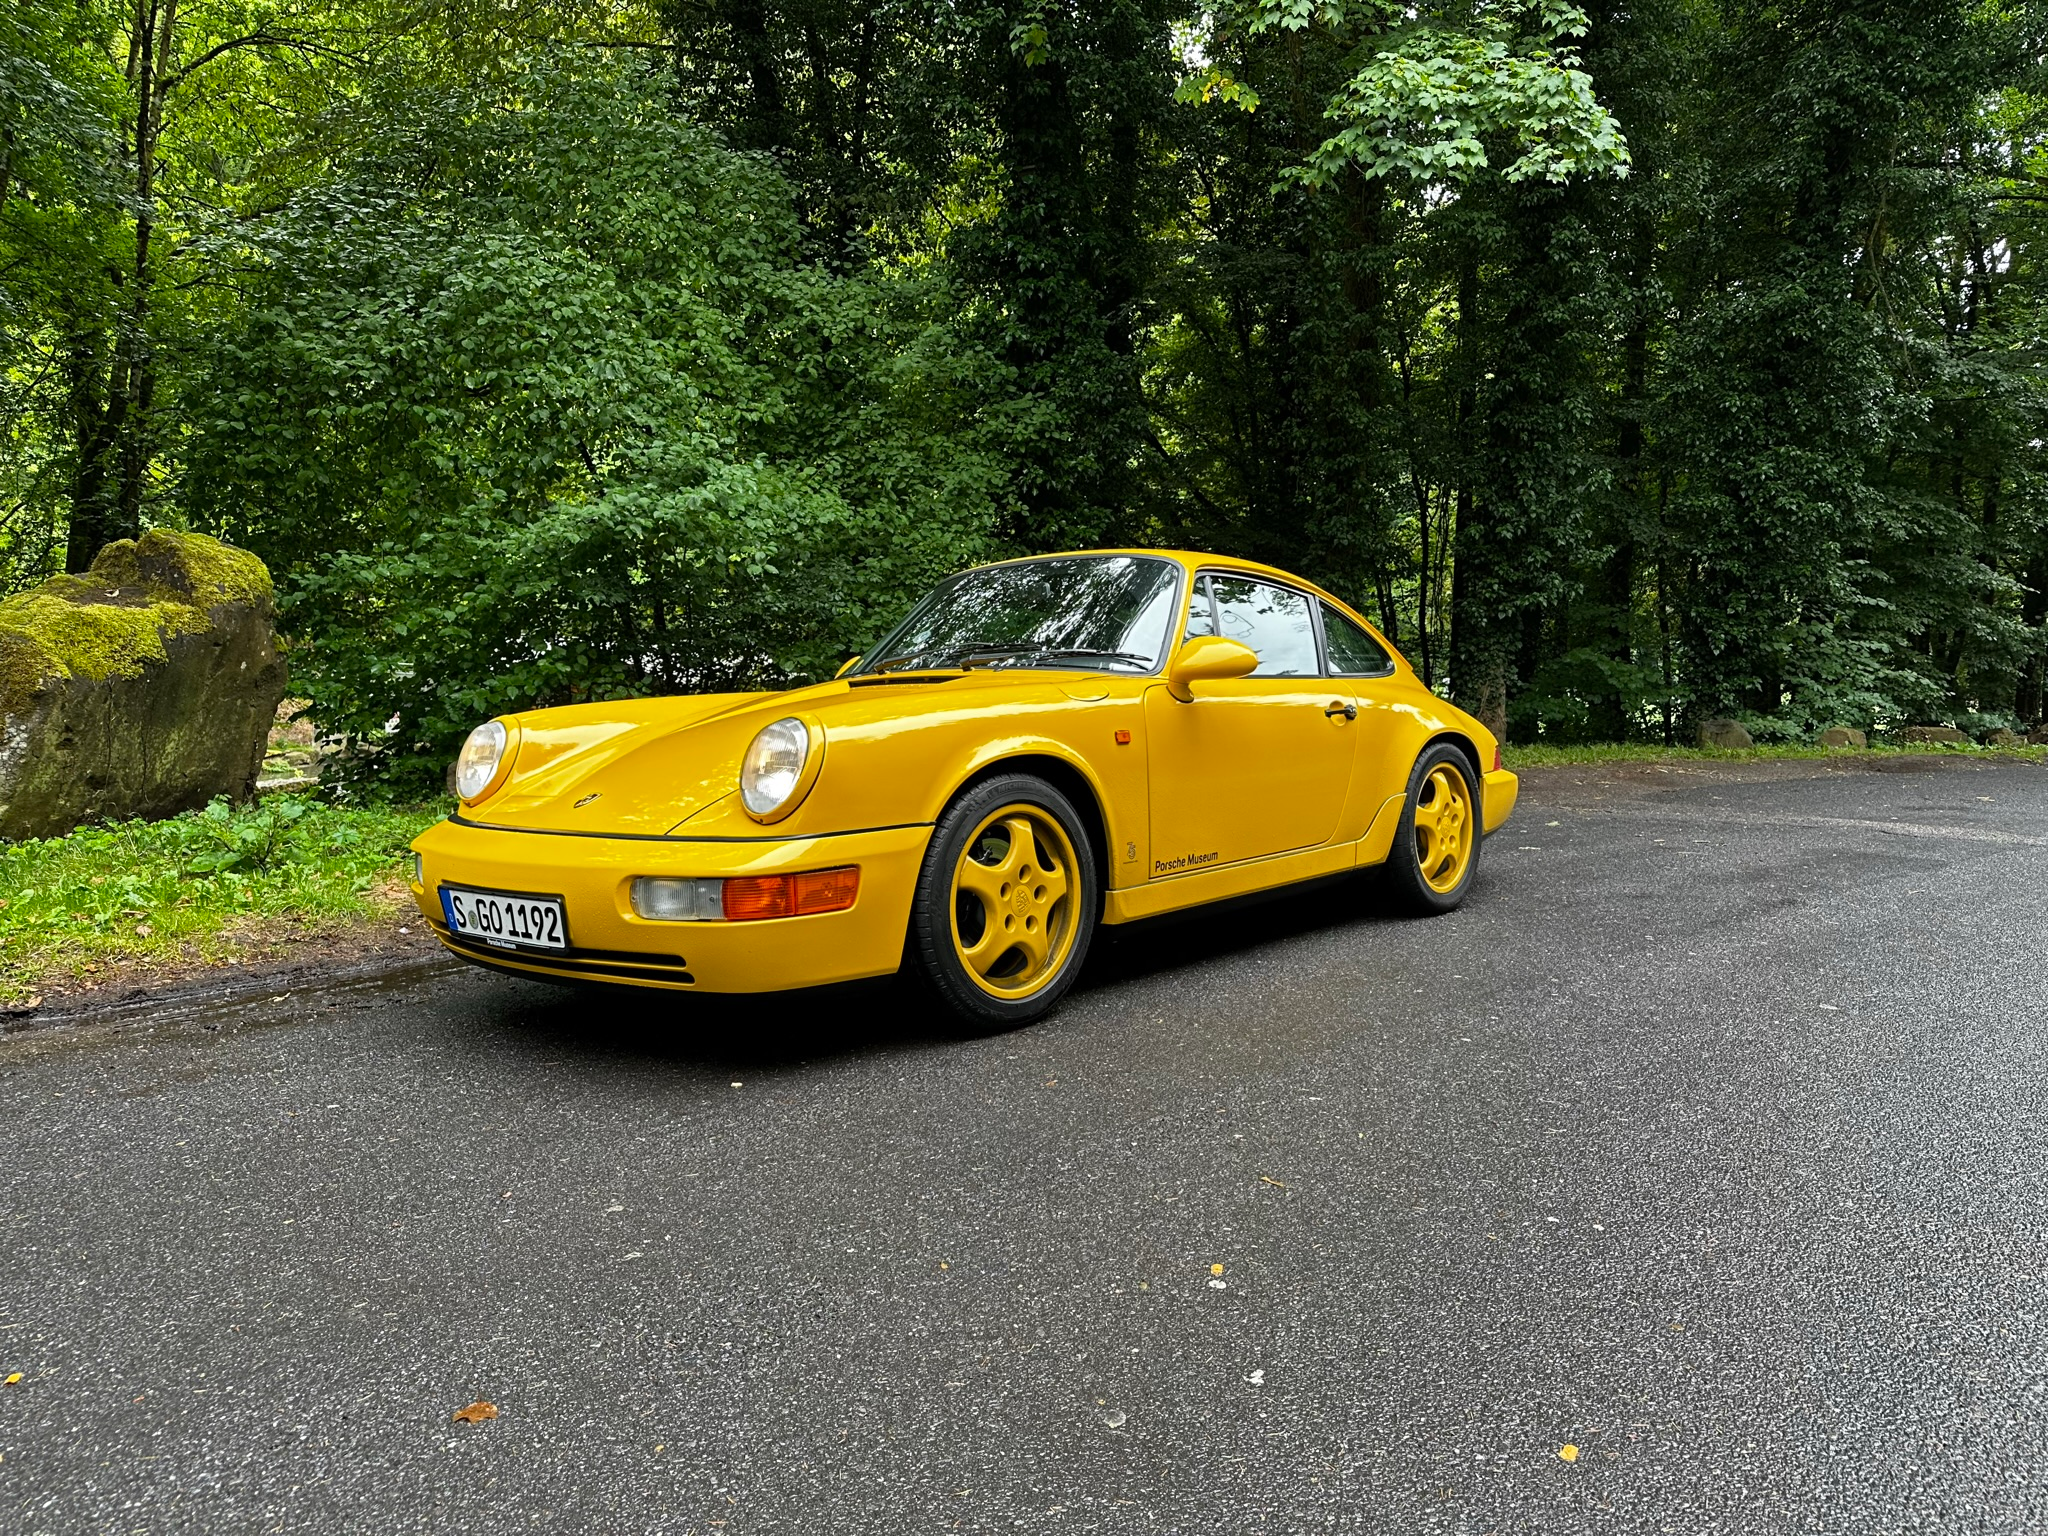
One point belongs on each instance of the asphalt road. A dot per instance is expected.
(1707, 1139)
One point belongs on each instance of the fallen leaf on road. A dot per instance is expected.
(1568, 1453)
(1274, 1182)
(1215, 1269)
(12, 1379)
(476, 1413)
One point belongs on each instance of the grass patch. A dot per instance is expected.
(1643, 752)
(195, 888)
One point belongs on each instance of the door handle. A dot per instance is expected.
(1348, 711)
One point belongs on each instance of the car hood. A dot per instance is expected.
(636, 767)
(643, 767)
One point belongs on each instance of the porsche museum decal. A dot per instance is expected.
(1183, 861)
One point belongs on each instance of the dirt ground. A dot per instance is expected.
(272, 955)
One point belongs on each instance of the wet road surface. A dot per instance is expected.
(1708, 1139)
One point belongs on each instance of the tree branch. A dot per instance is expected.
(262, 37)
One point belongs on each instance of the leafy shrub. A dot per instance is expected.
(541, 401)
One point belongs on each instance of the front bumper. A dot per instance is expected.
(1497, 799)
(610, 942)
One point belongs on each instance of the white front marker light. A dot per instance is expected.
(774, 766)
(679, 901)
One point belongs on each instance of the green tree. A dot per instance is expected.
(1432, 133)
(542, 400)
(61, 218)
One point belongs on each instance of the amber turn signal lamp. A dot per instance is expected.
(750, 898)
(1496, 757)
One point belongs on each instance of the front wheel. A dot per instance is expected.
(1005, 903)
(1436, 847)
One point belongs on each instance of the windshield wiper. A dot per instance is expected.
(1085, 654)
(950, 656)
(1001, 650)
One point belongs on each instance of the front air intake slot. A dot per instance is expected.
(585, 964)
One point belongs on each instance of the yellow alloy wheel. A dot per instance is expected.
(1444, 828)
(1014, 894)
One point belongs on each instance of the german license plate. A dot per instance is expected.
(505, 919)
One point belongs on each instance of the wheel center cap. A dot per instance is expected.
(1020, 898)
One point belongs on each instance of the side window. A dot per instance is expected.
(1201, 617)
(1353, 651)
(1273, 621)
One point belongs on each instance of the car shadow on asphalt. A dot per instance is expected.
(790, 1031)
(762, 1034)
(1133, 951)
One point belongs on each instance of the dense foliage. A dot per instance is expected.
(1630, 364)
(541, 401)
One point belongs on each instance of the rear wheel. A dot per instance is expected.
(1005, 903)
(1436, 848)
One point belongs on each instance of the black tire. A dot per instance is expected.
(1403, 873)
(934, 952)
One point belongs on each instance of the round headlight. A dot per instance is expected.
(774, 766)
(481, 754)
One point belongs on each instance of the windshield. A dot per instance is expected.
(1108, 612)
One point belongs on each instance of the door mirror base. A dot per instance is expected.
(1207, 658)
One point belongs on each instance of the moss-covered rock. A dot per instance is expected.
(144, 687)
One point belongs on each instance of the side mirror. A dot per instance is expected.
(847, 666)
(1207, 658)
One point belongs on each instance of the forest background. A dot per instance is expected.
(1629, 364)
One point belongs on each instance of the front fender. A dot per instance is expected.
(890, 771)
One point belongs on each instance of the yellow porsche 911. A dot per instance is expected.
(1041, 746)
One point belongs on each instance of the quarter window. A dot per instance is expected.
(1353, 651)
(1273, 621)
(1201, 612)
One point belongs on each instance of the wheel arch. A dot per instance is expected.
(1469, 750)
(1070, 780)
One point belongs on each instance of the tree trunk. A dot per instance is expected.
(111, 424)
(1618, 578)
(94, 415)
(2027, 697)
(767, 120)
(1479, 658)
